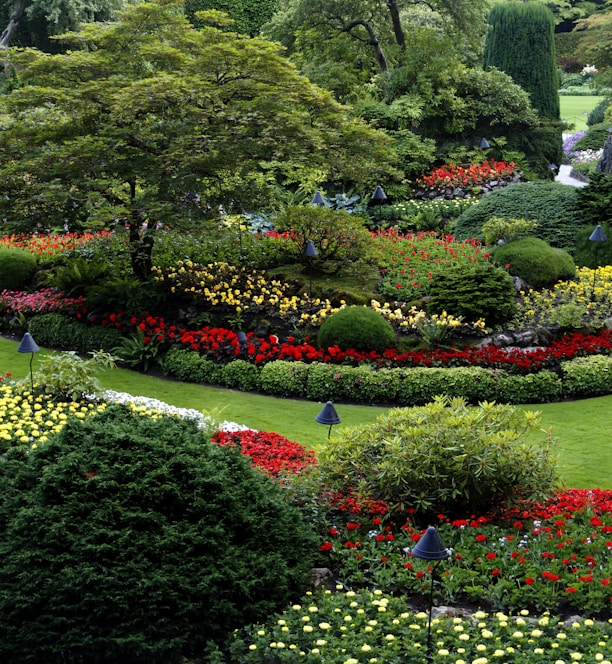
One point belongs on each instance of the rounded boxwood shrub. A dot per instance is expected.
(535, 261)
(358, 328)
(136, 540)
(443, 458)
(553, 205)
(473, 291)
(17, 268)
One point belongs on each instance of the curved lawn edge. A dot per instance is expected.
(582, 427)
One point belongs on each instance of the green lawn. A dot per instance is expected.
(581, 427)
(574, 110)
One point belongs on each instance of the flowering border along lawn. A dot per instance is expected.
(554, 556)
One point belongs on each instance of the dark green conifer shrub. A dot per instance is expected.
(360, 328)
(553, 205)
(17, 268)
(136, 540)
(535, 261)
(595, 137)
(521, 42)
(473, 291)
(596, 116)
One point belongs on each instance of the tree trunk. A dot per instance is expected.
(141, 250)
(400, 38)
(13, 24)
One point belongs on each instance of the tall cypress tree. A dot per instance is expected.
(521, 43)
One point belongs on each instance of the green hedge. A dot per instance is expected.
(58, 331)
(365, 384)
(580, 377)
(587, 376)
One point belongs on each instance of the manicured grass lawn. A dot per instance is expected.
(581, 427)
(574, 109)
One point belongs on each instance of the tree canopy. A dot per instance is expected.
(32, 22)
(367, 35)
(147, 121)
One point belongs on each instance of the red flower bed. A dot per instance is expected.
(451, 176)
(270, 451)
(221, 344)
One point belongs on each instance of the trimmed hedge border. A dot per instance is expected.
(580, 377)
(577, 378)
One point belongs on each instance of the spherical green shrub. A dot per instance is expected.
(553, 205)
(359, 328)
(17, 268)
(473, 291)
(136, 540)
(445, 457)
(535, 261)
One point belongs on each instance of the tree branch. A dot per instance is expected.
(373, 41)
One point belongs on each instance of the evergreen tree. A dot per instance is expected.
(521, 43)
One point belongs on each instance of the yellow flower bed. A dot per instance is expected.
(587, 299)
(27, 419)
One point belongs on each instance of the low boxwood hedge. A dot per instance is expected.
(580, 377)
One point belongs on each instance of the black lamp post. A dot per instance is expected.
(328, 415)
(597, 236)
(318, 200)
(28, 345)
(310, 251)
(430, 548)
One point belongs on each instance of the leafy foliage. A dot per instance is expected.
(535, 261)
(59, 331)
(553, 205)
(507, 230)
(78, 274)
(144, 538)
(357, 327)
(337, 235)
(247, 15)
(138, 351)
(17, 268)
(68, 377)
(444, 457)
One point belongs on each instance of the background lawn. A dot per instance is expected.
(575, 109)
(582, 428)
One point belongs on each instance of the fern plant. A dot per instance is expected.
(138, 350)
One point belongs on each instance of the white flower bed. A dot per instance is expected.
(204, 421)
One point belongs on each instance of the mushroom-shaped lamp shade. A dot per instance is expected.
(598, 235)
(379, 195)
(242, 338)
(28, 345)
(484, 144)
(328, 415)
(430, 546)
(318, 199)
(310, 250)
